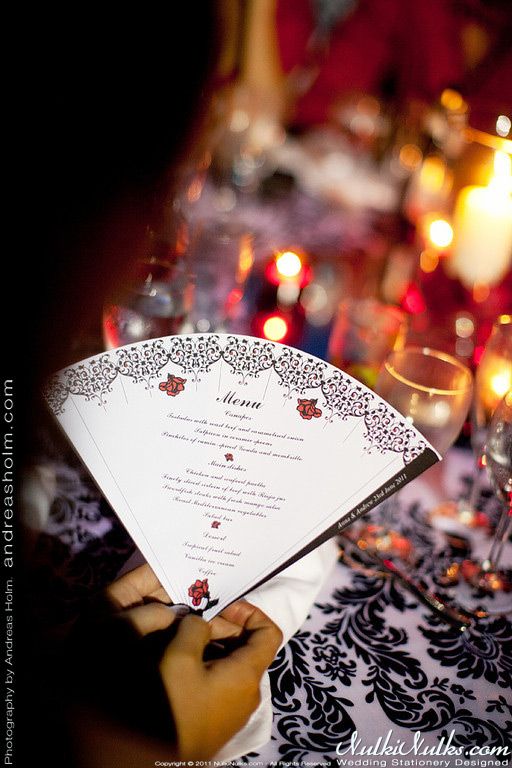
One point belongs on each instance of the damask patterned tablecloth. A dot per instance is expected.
(369, 659)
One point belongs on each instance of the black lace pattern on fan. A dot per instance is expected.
(298, 373)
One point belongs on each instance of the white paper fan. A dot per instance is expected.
(227, 457)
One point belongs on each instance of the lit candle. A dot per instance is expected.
(494, 372)
(288, 268)
(483, 228)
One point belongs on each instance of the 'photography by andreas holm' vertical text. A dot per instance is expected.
(8, 562)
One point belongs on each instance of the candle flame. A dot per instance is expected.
(440, 233)
(501, 382)
(288, 264)
(501, 182)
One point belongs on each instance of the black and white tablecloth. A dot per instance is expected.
(372, 675)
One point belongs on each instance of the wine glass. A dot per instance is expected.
(221, 258)
(363, 333)
(492, 380)
(487, 575)
(433, 391)
(155, 295)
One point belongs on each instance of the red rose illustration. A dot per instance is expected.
(173, 386)
(215, 524)
(308, 409)
(198, 590)
(228, 456)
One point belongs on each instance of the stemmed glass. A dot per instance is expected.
(486, 575)
(363, 333)
(433, 391)
(154, 297)
(221, 258)
(492, 380)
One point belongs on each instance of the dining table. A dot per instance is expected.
(374, 667)
(373, 674)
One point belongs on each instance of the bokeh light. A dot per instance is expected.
(503, 125)
(288, 264)
(440, 233)
(275, 328)
(429, 260)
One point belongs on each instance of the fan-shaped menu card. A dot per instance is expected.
(228, 457)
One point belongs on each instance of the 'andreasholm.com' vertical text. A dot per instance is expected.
(8, 558)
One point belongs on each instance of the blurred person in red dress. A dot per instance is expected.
(410, 46)
(307, 56)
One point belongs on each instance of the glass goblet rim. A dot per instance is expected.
(437, 354)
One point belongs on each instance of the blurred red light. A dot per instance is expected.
(234, 297)
(413, 301)
(477, 354)
(272, 274)
(276, 277)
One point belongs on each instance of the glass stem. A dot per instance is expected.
(500, 537)
(473, 497)
(469, 504)
(390, 506)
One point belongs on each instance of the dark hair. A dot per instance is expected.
(105, 105)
